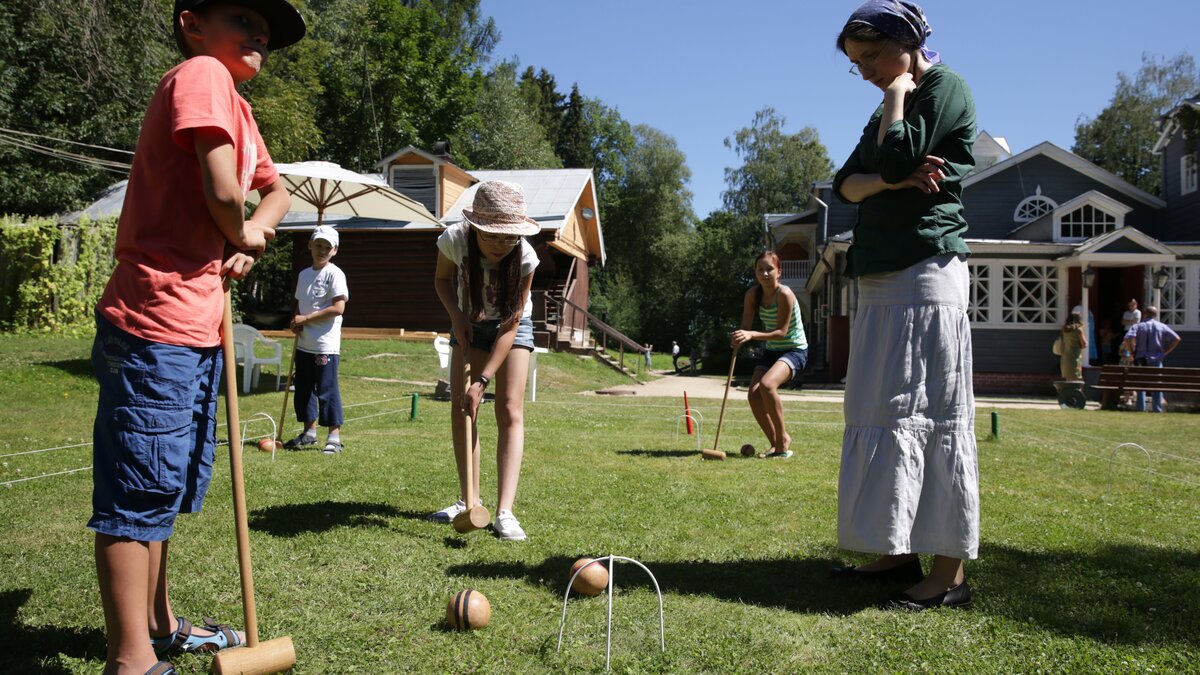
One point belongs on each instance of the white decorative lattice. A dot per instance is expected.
(980, 309)
(1187, 174)
(1086, 222)
(1030, 294)
(1174, 311)
(1032, 208)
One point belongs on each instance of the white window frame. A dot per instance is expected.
(1118, 222)
(1189, 173)
(980, 307)
(1176, 313)
(1037, 197)
(1054, 310)
(414, 168)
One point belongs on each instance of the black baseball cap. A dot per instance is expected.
(287, 26)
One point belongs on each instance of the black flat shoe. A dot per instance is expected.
(959, 597)
(909, 572)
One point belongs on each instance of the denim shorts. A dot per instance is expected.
(795, 358)
(155, 432)
(483, 334)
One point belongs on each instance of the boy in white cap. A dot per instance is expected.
(321, 295)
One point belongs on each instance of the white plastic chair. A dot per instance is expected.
(244, 340)
(442, 346)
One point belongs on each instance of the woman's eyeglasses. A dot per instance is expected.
(869, 61)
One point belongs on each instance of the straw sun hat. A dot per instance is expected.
(499, 208)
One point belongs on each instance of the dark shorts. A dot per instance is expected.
(317, 394)
(483, 335)
(154, 434)
(795, 358)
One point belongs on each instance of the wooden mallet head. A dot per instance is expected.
(272, 656)
(713, 454)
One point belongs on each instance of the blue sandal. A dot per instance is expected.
(183, 640)
(161, 668)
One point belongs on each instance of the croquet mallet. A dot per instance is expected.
(476, 516)
(256, 658)
(715, 453)
(287, 388)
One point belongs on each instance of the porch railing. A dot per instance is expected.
(795, 270)
(566, 308)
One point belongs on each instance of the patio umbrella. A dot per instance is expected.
(325, 187)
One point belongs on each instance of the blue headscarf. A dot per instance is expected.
(898, 19)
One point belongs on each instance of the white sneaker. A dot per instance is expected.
(507, 528)
(448, 514)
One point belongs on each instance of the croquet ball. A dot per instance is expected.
(591, 581)
(747, 450)
(267, 445)
(468, 610)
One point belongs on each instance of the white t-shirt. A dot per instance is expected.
(1131, 317)
(316, 290)
(453, 244)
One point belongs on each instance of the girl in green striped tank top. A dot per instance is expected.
(786, 351)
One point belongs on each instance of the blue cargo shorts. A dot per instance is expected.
(154, 435)
(796, 359)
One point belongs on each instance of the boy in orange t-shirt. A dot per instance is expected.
(182, 235)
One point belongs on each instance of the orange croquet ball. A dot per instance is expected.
(267, 445)
(591, 581)
(468, 610)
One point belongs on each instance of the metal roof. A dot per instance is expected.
(550, 194)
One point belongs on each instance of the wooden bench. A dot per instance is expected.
(1115, 381)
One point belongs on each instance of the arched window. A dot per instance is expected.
(1032, 208)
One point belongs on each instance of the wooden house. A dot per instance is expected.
(390, 264)
(1048, 230)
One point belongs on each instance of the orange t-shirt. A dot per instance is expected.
(167, 285)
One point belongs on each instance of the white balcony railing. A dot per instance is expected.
(795, 271)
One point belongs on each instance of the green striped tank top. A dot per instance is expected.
(795, 336)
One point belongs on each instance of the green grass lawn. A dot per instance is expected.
(1080, 569)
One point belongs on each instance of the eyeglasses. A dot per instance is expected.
(869, 62)
(499, 239)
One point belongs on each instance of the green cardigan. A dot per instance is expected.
(899, 228)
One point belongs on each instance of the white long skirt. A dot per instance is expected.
(909, 481)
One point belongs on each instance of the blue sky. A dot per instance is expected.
(698, 70)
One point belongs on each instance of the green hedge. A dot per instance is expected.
(51, 274)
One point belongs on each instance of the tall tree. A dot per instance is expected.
(396, 73)
(574, 138)
(541, 94)
(1121, 138)
(503, 132)
(82, 70)
(643, 286)
(777, 168)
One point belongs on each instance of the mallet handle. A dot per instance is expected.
(235, 472)
(288, 387)
(468, 434)
(721, 419)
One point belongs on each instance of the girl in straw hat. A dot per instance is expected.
(484, 274)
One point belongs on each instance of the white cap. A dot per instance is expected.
(327, 233)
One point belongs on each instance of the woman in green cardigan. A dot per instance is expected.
(909, 477)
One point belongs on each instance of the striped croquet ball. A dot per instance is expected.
(468, 610)
(591, 581)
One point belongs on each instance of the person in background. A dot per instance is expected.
(1151, 341)
(1073, 343)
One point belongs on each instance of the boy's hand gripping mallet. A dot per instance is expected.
(715, 453)
(476, 516)
(256, 658)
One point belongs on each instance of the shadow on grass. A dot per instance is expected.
(659, 453)
(81, 368)
(768, 583)
(1114, 594)
(24, 647)
(290, 520)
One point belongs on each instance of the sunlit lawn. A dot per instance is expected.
(1082, 567)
